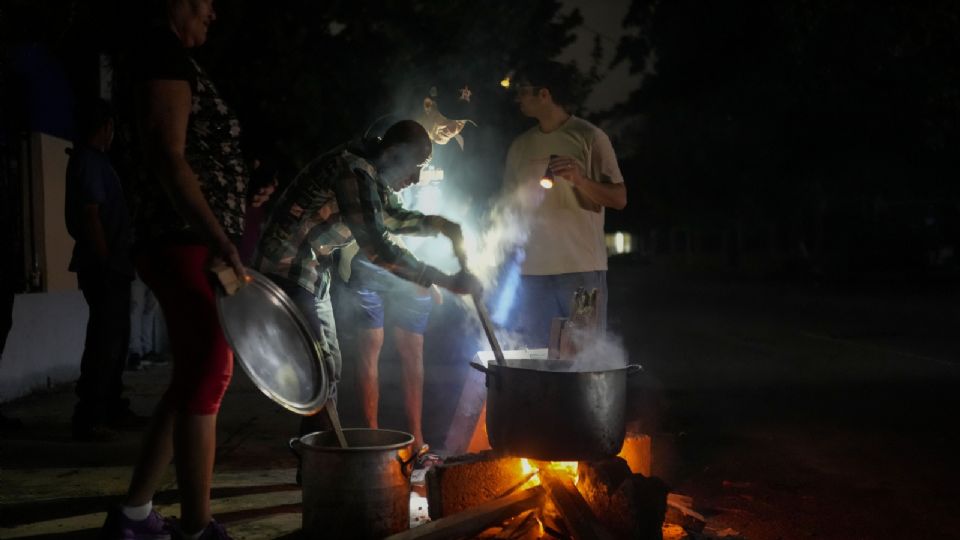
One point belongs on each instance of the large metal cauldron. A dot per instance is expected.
(362, 491)
(537, 409)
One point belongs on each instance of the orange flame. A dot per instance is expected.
(568, 468)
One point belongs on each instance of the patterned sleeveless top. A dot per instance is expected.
(212, 150)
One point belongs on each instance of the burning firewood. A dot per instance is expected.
(472, 521)
(578, 517)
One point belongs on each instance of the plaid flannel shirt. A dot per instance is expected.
(336, 199)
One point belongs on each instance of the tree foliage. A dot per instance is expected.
(313, 74)
(774, 110)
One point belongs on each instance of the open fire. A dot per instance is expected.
(532, 469)
(489, 495)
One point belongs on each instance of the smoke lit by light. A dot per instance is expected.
(507, 294)
(429, 199)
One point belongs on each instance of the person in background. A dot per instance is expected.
(342, 196)
(97, 219)
(379, 299)
(191, 185)
(565, 248)
(263, 182)
(147, 328)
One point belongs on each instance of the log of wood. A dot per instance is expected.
(518, 527)
(579, 519)
(629, 505)
(680, 511)
(472, 521)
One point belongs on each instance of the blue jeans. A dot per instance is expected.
(318, 311)
(542, 298)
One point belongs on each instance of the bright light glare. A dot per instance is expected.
(428, 199)
(618, 242)
(505, 82)
(546, 183)
(431, 174)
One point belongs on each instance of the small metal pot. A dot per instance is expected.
(362, 491)
(536, 411)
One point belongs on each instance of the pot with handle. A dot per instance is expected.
(361, 491)
(538, 411)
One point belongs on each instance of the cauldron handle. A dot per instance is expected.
(295, 445)
(633, 369)
(480, 367)
(406, 465)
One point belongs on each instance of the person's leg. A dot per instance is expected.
(89, 415)
(156, 453)
(410, 350)
(185, 423)
(369, 343)
(367, 292)
(408, 312)
(118, 305)
(195, 446)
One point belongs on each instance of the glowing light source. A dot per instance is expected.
(505, 82)
(619, 243)
(430, 174)
(546, 183)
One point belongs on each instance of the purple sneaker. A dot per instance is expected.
(119, 527)
(213, 531)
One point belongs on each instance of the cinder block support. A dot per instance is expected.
(467, 481)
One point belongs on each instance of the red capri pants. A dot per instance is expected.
(202, 360)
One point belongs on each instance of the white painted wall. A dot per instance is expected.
(45, 343)
(55, 242)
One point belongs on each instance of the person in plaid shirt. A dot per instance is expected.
(348, 194)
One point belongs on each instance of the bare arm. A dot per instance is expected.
(163, 114)
(603, 193)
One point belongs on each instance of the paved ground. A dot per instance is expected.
(803, 410)
(785, 410)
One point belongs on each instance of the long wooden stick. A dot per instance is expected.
(331, 408)
(476, 519)
(488, 328)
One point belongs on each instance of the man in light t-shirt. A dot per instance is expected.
(565, 247)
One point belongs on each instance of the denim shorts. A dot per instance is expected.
(382, 297)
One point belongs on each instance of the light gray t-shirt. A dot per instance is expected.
(566, 228)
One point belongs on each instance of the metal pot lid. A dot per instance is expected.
(274, 344)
